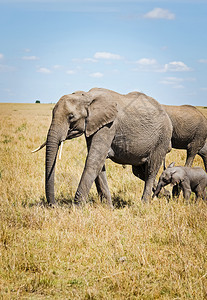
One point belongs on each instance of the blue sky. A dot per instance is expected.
(49, 48)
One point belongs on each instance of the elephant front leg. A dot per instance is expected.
(87, 179)
(101, 180)
(102, 187)
(176, 191)
(97, 153)
(185, 186)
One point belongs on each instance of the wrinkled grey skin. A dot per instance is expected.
(184, 178)
(203, 154)
(189, 131)
(129, 129)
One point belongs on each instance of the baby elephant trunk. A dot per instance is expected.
(158, 189)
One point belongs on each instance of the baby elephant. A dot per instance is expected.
(185, 178)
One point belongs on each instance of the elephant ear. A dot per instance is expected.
(101, 111)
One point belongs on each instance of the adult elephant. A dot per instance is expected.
(129, 129)
(189, 131)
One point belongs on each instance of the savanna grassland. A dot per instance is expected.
(137, 251)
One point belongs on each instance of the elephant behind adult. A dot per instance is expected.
(129, 129)
(189, 131)
(203, 154)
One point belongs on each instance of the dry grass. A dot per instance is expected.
(153, 251)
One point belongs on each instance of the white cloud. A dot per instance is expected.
(32, 57)
(203, 61)
(146, 61)
(97, 75)
(1, 56)
(176, 66)
(175, 82)
(147, 65)
(90, 60)
(171, 80)
(179, 86)
(151, 65)
(70, 72)
(84, 60)
(97, 56)
(204, 89)
(57, 67)
(160, 13)
(44, 70)
(107, 55)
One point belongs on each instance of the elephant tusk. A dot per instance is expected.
(39, 148)
(61, 148)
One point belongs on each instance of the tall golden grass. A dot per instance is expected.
(137, 251)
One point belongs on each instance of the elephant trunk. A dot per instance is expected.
(52, 146)
(158, 189)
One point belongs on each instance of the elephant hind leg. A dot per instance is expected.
(152, 167)
(148, 187)
(200, 190)
(139, 171)
(193, 149)
(199, 193)
(142, 173)
(191, 153)
(147, 172)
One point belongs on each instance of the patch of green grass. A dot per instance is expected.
(22, 127)
(6, 139)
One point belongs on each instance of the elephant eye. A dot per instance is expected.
(70, 116)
